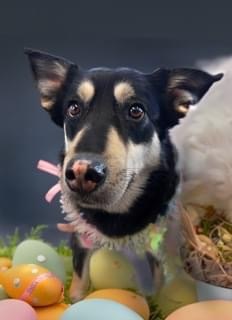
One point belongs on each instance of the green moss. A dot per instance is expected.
(66, 288)
(154, 309)
(8, 244)
(64, 249)
(36, 233)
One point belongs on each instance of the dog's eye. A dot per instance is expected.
(74, 109)
(136, 111)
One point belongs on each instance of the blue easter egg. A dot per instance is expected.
(99, 309)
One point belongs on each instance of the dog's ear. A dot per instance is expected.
(180, 88)
(50, 73)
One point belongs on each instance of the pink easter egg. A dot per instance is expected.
(16, 309)
(204, 310)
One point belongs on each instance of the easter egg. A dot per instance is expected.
(33, 284)
(130, 299)
(3, 294)
(53, 312)
(40, 253)
(15, 309)
(110, 269)
(178, 292)
(99, 309)
(5, 263)
(206, 310)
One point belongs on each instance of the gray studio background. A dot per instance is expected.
(140, 34)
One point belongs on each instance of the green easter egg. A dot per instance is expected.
(110, 269)
(3, 294)
(40, 253)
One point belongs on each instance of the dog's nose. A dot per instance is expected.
(84, 175)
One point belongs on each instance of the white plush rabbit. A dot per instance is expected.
(204, 142)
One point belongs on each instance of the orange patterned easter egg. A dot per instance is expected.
(53, 312)
(33, 284)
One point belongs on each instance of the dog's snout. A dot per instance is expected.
(85, 175)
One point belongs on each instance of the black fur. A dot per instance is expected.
(79, 255)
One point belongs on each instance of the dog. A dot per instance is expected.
(119, 166)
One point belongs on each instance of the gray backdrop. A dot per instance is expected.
(141, 34)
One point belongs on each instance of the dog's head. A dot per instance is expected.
(115, 124)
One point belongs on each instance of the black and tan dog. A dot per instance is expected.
(118, 164)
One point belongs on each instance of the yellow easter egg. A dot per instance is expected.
(33, 284)
(5, 263)
(53, 312)
(130, 299)
(110, 269)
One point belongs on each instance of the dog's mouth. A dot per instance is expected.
(86, 217)
(109, 216)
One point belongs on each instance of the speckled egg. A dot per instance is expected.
(110, 269)
(99, 309)
(53, 312)
(11, 309)
(33, 284)
(40, 253)
(5, 263)
(130, 299)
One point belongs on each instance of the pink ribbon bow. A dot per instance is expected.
(54, 170)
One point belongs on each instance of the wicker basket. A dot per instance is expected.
(203, 255)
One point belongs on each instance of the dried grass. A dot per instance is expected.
(206, 250)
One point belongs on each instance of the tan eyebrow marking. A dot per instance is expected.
(86, 90)
(123, 91)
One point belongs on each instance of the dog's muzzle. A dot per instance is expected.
(84, 176)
